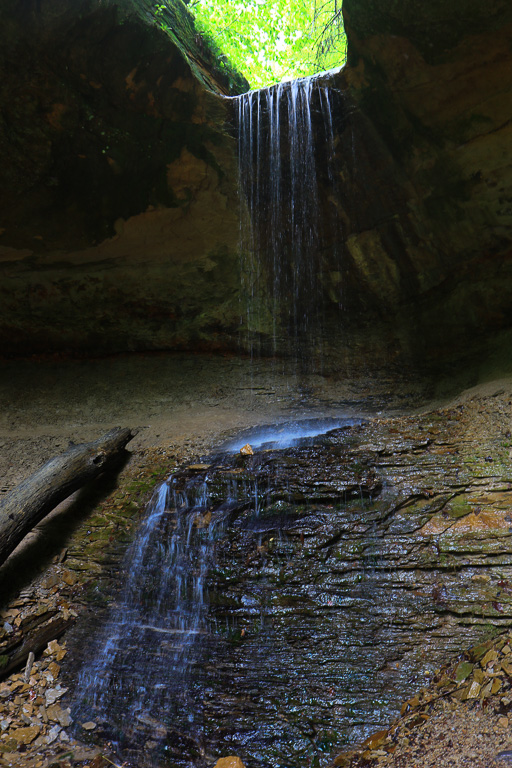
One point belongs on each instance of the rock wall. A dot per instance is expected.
(119, 206)
(429, 252)
(338, 575)
(118, 203)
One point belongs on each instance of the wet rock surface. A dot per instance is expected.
(343, 574)
(433, 496)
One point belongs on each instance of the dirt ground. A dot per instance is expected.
(182, 407)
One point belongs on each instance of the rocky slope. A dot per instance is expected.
(416, 566)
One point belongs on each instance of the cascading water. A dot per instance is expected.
(278, 605)
(188, 665)
(140, 686)
(290, 236)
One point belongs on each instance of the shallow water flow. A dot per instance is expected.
(138, 684)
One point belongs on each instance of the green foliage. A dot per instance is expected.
(273, 40)
(174, 18)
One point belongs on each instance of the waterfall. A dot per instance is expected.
(290, 233)
(138, 686)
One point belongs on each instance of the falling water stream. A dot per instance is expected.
(290, 235)
(142, 687)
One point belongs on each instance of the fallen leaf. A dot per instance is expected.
(229, 762)
(463, 671)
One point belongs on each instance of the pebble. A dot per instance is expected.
(53, 734)
(25, 735)
(56, 713)
(53, 694)
(54, 649)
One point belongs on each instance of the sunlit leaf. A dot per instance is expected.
(287, 39)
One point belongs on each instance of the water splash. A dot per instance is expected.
(288, 433)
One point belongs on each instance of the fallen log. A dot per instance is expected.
(29, 502)
(14, 653)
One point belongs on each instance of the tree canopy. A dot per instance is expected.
(273, 40)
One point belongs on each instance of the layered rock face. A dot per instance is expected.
(299, 595)
(118, 203)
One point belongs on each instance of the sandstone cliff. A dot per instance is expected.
(430, 251)
(119, 204)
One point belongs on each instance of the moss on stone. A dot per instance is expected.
(459, 507)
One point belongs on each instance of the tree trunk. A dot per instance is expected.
(30, 501)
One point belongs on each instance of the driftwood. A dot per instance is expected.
(15, 651)
(30, 501)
